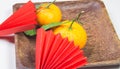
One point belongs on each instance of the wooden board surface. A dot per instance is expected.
(102, 47)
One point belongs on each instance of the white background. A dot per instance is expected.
(7, 50)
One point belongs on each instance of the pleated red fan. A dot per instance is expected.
(54, 52)
(21, 20)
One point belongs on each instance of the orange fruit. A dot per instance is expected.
(77, 33)
(48, 15)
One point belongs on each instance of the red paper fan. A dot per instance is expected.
(21, 20)
(54, 52)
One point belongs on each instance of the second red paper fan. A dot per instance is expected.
(55, 52)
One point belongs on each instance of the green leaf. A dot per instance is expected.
(37, 6)
(45, 27)
(51, 25)
(30, 32)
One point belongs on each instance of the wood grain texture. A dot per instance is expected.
(102, 47)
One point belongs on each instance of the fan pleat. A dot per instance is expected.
(41, 34)
(21, 20)
(79, 63)
(47, 47)
(16, 29)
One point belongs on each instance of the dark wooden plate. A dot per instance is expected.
(103, 45)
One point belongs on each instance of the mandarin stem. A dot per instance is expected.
(71, 24)
(78, 16)
(51, 3)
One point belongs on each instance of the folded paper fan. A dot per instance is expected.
(55, 52)
(21, 20)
